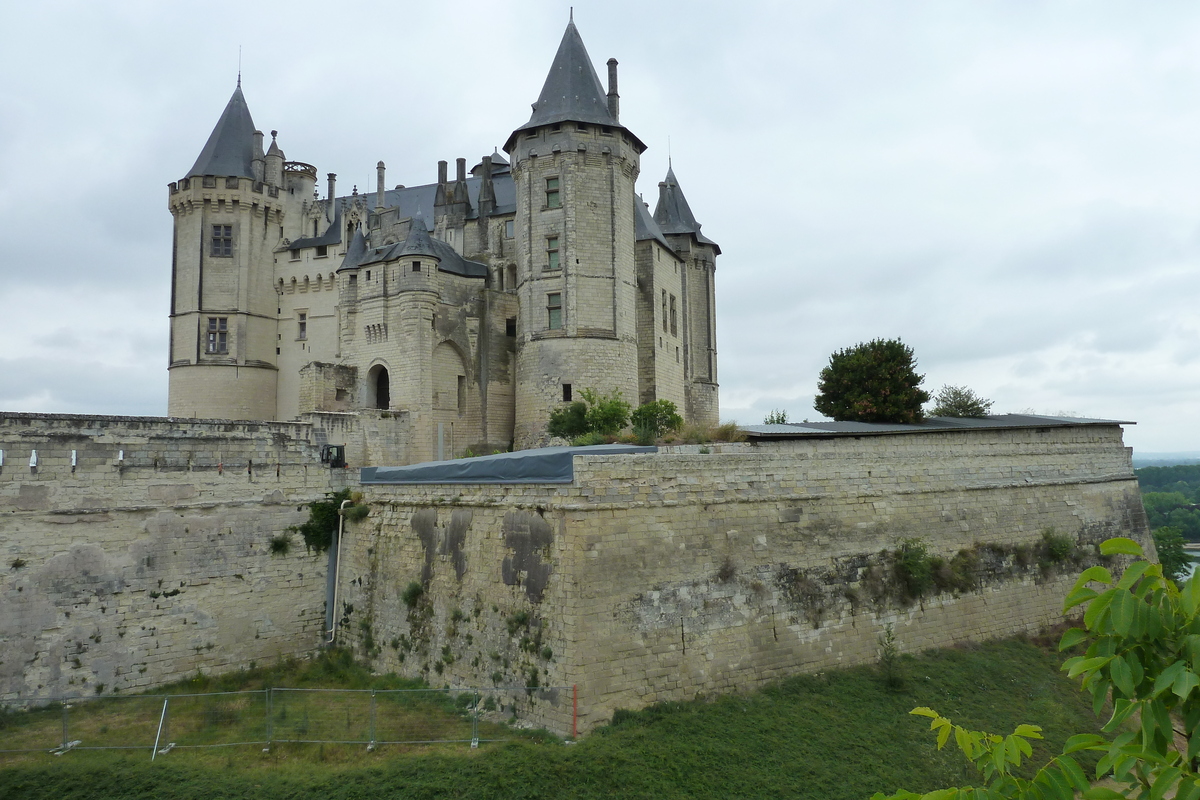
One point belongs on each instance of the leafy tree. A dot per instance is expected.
(652, 420)
(1142, 652)
(778, 416)
(569, 421)
(959, 401)
(1168, 541)
(872, 382)
(607, 413)
(602, 414)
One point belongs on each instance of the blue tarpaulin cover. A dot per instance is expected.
(543, 465)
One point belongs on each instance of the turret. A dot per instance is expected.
(259, 162)
(699, 253)
(574, 166)
(273, 163)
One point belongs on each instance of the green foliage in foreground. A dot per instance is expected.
(837, 736)
(1142, 637)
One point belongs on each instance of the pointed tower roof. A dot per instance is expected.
(572, 91)
(674, 215)
(230, 146)
(418, 242)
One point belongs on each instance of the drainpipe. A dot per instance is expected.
(335, 556)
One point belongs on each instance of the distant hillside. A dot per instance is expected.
(1141, 459)
(1171, 496)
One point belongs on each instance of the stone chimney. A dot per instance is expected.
(614, 99)
(332, 189)
(379, 190)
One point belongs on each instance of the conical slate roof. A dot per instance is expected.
(673, 214)
(418, 242)
(230, 147)
(572, 91)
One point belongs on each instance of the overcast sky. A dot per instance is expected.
(1012, 188)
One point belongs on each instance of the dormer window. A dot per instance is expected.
(416, 266)
(294, 255)
(553, 197)
(322, 251)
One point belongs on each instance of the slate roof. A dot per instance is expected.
(674, 215)
(332, 235)
(572, 91)
(646, 228)
(418, 242)
(361, 254)
(230, 147)
(931, 424)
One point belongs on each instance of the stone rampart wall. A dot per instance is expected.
(151, 558)
(657, 577)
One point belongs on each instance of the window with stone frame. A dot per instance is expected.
(553, 196)
(217, 341)
(554, 311)
(674, 328)
(222, 241)
(552, 261)
(508, 229)
(301, 325)
(664, 310)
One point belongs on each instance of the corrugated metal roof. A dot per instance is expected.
(997, 421)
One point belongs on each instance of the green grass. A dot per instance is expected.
(831, 736)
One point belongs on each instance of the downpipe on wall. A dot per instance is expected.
(335, 557)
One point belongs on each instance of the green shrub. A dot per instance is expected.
(652, 420)
(357, 513)
(914, 569)
(412, 594)
(1056, 547)
(606, 413)
(588, 439)
(569, 421)
(322, 521)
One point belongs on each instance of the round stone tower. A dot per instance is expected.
(574, 167)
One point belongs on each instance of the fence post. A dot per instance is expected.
(161, 720)
(65, 714)
(268, 704)
(475, 722)
(371, 746)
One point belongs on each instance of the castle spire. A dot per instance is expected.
(572, 91)
(230, 147)
(673, 214)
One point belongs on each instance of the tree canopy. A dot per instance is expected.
(959, 401)
(874, 381)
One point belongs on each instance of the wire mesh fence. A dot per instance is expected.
(369, 717)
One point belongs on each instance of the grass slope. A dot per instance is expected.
(835, 736)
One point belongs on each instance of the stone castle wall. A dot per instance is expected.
(657, 577)
(151, 557)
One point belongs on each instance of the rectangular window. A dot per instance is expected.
(674, 329)
(353, 281)
(554, 311)
(552, 252)
(218, 331)
(322, 251)
(553, 198)
(566, 392)
(416, 266)
(462, 393)
(664, 310)
(510, 326)
(222, 241)
(293, 255)
(508, 229)
(302, 327)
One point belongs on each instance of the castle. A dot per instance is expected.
(431, 320)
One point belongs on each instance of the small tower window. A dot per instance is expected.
(218, 330)
(554, 311)
(222, 241)
(674, 329)
(553, 197)
(416, 266)
(462, 393)
(510, 326)
(552, 252)
(566, 392)
(664, 310)
(302, 325)
(508, 229)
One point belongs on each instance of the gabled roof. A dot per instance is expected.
(572, 91)
(674, 215)
(230, 147)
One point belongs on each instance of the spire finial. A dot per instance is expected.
(239, 66)
(572, 19)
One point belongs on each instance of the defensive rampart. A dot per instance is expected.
(139, 550)
(661, 576)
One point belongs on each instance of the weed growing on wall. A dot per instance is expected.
(281, 544)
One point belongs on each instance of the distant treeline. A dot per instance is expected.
(1172, 498)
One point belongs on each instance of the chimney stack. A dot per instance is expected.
(379, 190)
(614, 99)
(329, 207)
(461, 171)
